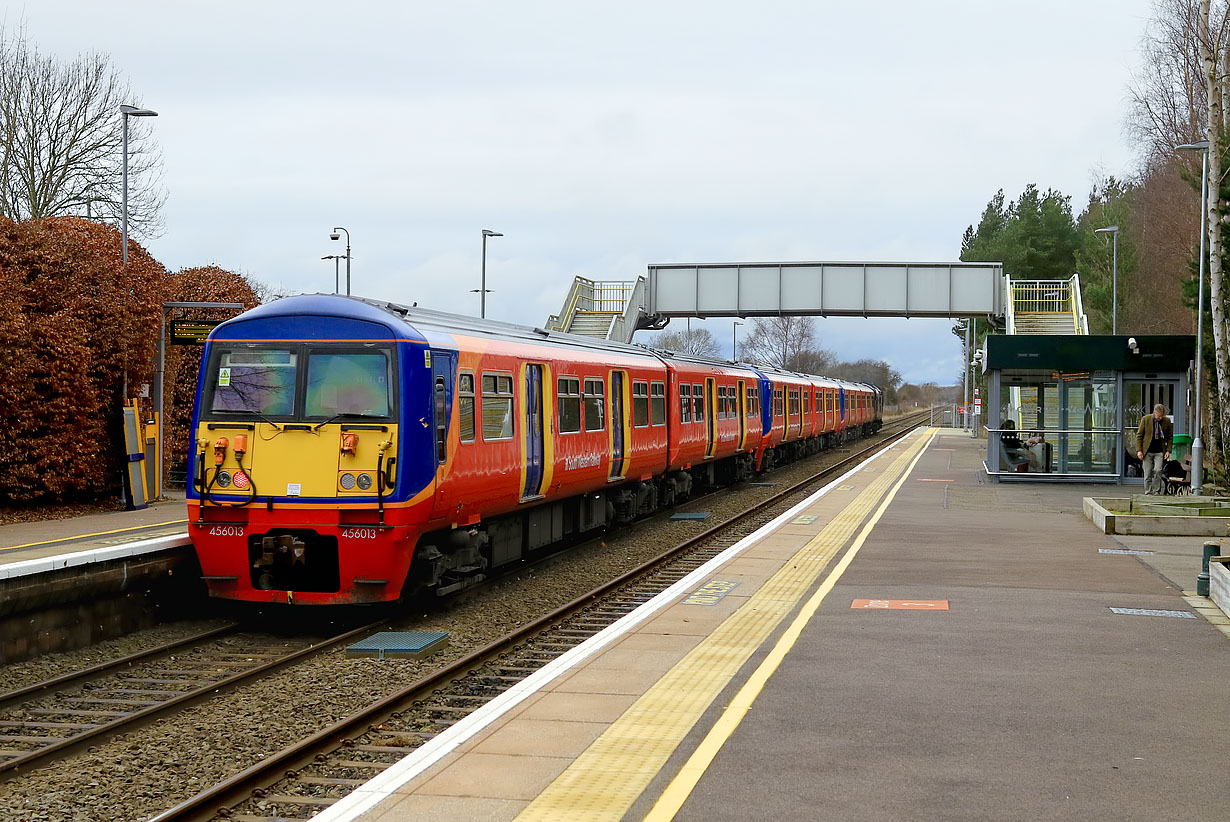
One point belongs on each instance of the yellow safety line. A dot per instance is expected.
(98, 534)
(681, 787)
(1208, 609)
(604, 781)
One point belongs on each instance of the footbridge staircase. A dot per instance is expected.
(605, 309)
(1045, 307)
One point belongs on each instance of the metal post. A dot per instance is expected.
(337, 284)
(162, 366)
(734, 340)
(347, 263)
(965, 379)
(124, 195)
(1114, 289)
(482, 288)
(1197, 443)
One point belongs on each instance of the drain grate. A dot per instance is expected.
(1125, 551)
(1153, 612)
(399, 644)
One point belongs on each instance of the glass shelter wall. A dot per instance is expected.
(1056, 424)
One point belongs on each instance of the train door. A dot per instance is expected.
(617, 424)
(533, 432)
(710, 417)
(742, 403)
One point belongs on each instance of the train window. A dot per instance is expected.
(657, 403)
(698, 403)
(260, 381)
(685, 403)
(640, 404)
(441, 421)
(465, 406)
(721, 402)
(593, 401)
(806, 404)
(497, 407)
(568, 401)
(347, 383)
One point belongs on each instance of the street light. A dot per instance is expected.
(1197, 444)
(336, 236)
(482, 289)
(734, 338)
(127, 111)
(334, 258)
(1113, 230)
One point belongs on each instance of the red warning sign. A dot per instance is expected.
(900, 604)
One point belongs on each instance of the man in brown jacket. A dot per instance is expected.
(1154, 438)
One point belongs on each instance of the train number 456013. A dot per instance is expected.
(226, 531)
(358, 533)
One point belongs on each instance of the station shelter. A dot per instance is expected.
(1067, 407)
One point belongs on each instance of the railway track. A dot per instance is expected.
(53, 719)
(314, 773)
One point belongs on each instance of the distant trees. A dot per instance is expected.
(60, 140)
(698, 341)
(783, 342)
(1034, 236)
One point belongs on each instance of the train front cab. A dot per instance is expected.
(304, 486)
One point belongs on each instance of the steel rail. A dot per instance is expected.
(11, 768)
(217, 801)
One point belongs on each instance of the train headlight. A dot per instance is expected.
(365, 482)
(347, 482)
(223, 479)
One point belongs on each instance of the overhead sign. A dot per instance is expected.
(191, 332)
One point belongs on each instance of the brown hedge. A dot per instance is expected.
(75, 324)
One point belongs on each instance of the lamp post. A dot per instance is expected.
(126, 112)
(1113, 231)
(334, 258)
(482, 289)
(336, 236)
(734, 339)
(1198, 444)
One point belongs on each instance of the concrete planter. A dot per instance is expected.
(1123, 515)
(1219, 583)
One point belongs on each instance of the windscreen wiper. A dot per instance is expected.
(260, 417)
(348, 414)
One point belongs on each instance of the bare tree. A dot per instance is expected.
(698, 341)
(61, 140)
(780, 342)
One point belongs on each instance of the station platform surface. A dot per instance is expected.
(29, 546)
(913, 642)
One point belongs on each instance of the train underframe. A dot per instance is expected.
(450, 560)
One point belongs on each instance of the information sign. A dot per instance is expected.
(191, 332)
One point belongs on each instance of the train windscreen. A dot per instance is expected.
(340, 384)
(259, 381)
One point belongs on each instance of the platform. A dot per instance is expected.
(911, 642)
(36, 547)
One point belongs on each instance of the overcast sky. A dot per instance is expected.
(600, 138)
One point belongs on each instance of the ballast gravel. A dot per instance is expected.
(142, 773)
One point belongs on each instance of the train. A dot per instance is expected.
(350, 451)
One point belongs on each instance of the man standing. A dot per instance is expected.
(1153, 440)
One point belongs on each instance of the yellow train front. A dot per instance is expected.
(300, 489)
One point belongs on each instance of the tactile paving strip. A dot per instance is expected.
(605, 780)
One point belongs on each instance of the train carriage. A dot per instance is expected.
(353, 451)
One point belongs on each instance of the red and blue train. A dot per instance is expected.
(352, 451)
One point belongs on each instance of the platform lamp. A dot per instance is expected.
(336, 236)
(482, 289)
(1197, 444)
(1113, 231)
(126, 112)
(734, 340)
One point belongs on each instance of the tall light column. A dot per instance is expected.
(482, 288)
(336, 236)
(335, 258)
(127, 111)
(1113, 231)
(1197, 443)
(734, 340)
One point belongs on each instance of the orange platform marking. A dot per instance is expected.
(901, 604)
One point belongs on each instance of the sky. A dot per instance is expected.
(601, 138)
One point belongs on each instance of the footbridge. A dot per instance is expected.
(616, 309)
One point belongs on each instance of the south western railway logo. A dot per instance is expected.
(582, 461)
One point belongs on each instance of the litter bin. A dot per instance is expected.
(1182, 445)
